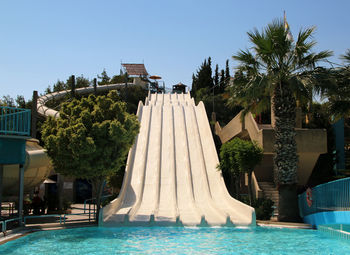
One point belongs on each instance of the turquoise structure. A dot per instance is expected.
(338, 128)
(14, 130)
(328, 203)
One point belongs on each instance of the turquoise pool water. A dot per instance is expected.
(176, 240)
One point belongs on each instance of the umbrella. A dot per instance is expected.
(155, 77)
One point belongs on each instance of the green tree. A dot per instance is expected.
(7, 101)
(240, 156)
(135, 95)
(335, 86)
(229, 166)
(247, 155)
(227, 71)
(279, 69)
(91, 138)
(104, 78)
(59, 86)
(203, 79)
(120, 79)
(82, 82)
(20, 101)
(216, 76)
(346, 57)
(222, 80)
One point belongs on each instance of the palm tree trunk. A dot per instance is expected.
(286, 158)
(273, 119)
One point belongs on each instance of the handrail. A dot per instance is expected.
(14, 121)
(94, 198)
(252, 128)
(4, 223)
(2, 226)
(331, 196)
(233, 128)
(255, 187)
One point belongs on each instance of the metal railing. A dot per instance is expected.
(4, 223)
(63, 217)
(331, 196)
(14, 121)
(45, 216)
(92, 208)
(336, 230)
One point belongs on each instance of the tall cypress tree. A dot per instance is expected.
(194, 84)
(216, 75)
(203, 78)
(222, 80)
(104, 78)
(227, 71)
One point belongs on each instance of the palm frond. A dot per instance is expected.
(346, 57)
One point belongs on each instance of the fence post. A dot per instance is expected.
(34, 113)
(73, 86)
(20, 198)
(1, 178)
(95, 86)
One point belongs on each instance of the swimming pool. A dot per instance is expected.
(176, 240)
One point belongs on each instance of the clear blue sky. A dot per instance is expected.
(43, 41)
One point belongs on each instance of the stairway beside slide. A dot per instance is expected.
(171, 176)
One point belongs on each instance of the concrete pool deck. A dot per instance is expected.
(277, 224)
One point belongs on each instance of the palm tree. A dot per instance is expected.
(346, 57)
(275, 73)
(336, 88)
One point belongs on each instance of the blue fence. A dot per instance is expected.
(328, 197)
(14, 121)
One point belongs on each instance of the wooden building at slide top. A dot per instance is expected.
(179, 88)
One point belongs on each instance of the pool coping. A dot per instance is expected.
(279, 224)
(16, 233)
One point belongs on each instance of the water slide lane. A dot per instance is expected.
(133, 189)
(201, 190)
(167, 209)
(115, 205)
(239, 213)
(148, 203)
(188, 211)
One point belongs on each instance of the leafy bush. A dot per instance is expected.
(263, 207)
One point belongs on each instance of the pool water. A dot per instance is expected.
(176, 240)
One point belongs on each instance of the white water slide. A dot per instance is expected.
(171, 176)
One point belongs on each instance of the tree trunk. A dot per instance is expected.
(286, 158)
(273, 120)
(250, 192)
(238, 188)
(288, 209)
(233, 186)
(98, 184)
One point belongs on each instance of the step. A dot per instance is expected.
(268, 188)
(270, 191)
